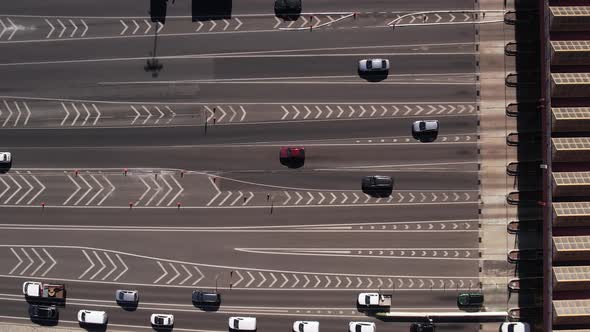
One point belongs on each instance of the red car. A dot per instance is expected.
(292, 156)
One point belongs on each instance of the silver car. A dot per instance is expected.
(127, 296)
(425, 130)
(373, 65)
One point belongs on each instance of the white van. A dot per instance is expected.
(92, 317)
(242, 323)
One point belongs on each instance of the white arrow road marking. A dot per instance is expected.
(29, 258)
(286, 112)
(28, 113)
(226, 24)
(40, 258)
(63, 28)
(87, 114)
(243, 113)
(362, 112)
(101, 263)
(251, 279)
(148, 25)
(367, 199)
(330, 111)
(452, 17)
(200, 274)
(87, 191)
(461, 283)
(75, 28)
(213, 25)
(349, 282)
(345, 198)
(85, 28)
(52, 264)
(125, 27)
(438, 18)
(163, 177)
(163, 275)
(77, 114)
(356, 198)
(50, 31)
(322, 198)
(318, 281)
(263, 280)
(305, 21)
(241, 278)
(9, 113)
(181, 189)
(310, 198)
(229, 193)
(159, 188)
(91, 265)
(274, 280)
(374, 110)
(4, 28)
(14, 28)
(308, 112)
(300, 197)
(97, 114)
(423, 197)
(239, 24)
(276, 25)
(14, 193)
(222, 115)
(109, 193)
(161, 114)
(411, 283)
(333, 198)
(28, 191)
(249, 198)
(328, 283)
(456, 196)
(136, 27)
(160, 27)
(234, 113)
(187, 272)
(67, 114)
(467, 17)
(338, 283)
(136, 116)
(112, 263)
(319, 112)
(288, 198)
(370, 282)
(176, 276)
(149, 114)
(20, 261)
(214, 198)
(98, 192)
(284, 282)
(172, 114)
(421, 283)
(340, 111)
(306, 281)
(200, 26)
(359, 282)
(384, 110)
(75, 192)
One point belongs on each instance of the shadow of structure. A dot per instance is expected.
(526, 171)
(205, 10)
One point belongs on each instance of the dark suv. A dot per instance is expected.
(470, 300)
(43, 312)
(206, 298)
(288, 9)
(377, 184)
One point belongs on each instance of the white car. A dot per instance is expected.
(32, 288)
(162, 320)
(242, 323)
(515, 327)
(373, 65)
(92, 317)
(361, 327)
(5, 158)
(306, 326)
(368, 299)
(425, 130)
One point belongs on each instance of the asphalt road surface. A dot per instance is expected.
(145, 156)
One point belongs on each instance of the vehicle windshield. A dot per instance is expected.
(383, 64)
(369, 64)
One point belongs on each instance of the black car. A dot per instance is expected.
(201, 297)
(470, 300)
(377, 183)
(288, 9)
(422, 327)
(43, 312)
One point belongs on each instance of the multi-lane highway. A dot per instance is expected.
(169, 180)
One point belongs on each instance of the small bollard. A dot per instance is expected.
(181, 174)
(76, 172)
(43, 205)
(125, 171)
(130, 205)
(267, 197)
(354, 15)
(178, 205)
(156, 176)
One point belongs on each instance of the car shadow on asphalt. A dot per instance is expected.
(373, 77)
(93, 327)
